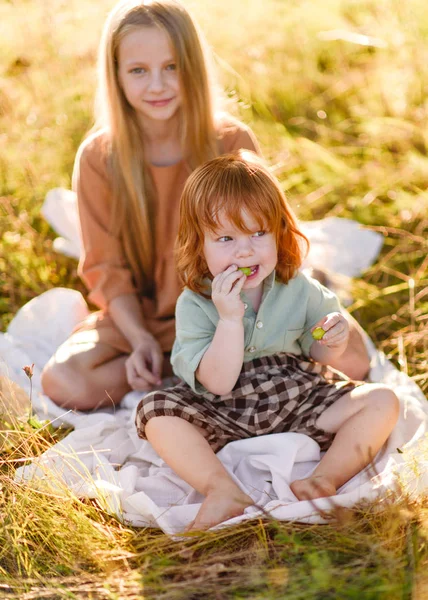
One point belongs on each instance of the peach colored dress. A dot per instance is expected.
(103, 266)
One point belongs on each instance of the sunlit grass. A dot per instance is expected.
(55, 545)
(342, 119)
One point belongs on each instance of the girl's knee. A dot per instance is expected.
(66, 386)
(386, 400)
(51, 379)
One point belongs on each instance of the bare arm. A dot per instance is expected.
(125, 310)
(335, 340)
(221, 364)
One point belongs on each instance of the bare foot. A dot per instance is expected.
(316, 486)
(218, 507)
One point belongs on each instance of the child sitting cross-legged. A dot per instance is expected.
(245, 349)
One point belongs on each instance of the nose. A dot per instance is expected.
(156, 83)
(244, 248)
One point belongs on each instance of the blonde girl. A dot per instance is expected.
(156, 122)
(244, 349)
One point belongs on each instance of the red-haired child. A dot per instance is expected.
(244, 347)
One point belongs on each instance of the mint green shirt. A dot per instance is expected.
(282, 324)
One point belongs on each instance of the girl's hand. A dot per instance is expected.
(336, 329)
(225, 291)
(144, 365)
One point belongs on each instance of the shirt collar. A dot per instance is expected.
(268, 285)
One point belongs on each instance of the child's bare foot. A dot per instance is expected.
(218, 507)
(316, 486)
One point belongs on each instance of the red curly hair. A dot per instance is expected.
(231, 184)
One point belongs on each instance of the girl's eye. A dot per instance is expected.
(171, 67)
(137, 70)
(259, 233)
(224, 238)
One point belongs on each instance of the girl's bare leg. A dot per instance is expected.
(184, 448)
(362, 421)
(85, 375)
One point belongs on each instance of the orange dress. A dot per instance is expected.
(103, 266)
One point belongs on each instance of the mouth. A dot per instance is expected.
(254, 269)
(159, 103)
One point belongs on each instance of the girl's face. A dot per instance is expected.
(148, 74)
(231, 246)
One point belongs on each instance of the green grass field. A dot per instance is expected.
(337, 94)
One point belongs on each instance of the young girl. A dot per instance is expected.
(245, 348)
(156, 123)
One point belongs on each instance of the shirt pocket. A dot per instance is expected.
(291, 340)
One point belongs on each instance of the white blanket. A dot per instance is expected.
(103, 457)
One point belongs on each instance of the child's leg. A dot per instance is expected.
(184, 448)
(362, 421)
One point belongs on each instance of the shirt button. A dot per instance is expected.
(252, 349)
(245, 305)
(259, 324)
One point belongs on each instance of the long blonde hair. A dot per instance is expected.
(134, 195)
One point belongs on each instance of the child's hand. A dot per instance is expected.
(226, 287)
(336, 330)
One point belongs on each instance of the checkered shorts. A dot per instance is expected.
(273, 394)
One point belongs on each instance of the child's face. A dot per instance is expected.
(231, 246)
(148, 74)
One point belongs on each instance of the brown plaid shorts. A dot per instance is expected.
(273, 394)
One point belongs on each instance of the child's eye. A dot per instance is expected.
(137, 70)
(259, 233)
(171, 67)
(224, 238)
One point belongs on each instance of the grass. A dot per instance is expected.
(343, 121)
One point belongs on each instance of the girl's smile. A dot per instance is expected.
(159, 103)
(148, 74)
